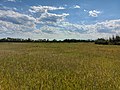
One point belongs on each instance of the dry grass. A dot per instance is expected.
(59, 66)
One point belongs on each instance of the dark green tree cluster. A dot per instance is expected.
(101, 41)
(8, 39)
(115, 40)
(75, 40)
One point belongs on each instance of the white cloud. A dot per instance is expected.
(14, 22)
(2, 7)
(43, 16)
(68, 30)
(51, 25)
(50, 29)
(85, 10)
(16, 18)
(102, 28)
(42, 9)
(109, 26)
(11, 0)
(50, 18)
(76, 6)
(94, 13)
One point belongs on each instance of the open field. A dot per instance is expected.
(59, 66)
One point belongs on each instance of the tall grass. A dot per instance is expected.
(59, 66)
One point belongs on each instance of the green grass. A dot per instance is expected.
(59, 66)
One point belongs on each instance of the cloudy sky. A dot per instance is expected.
(59, 19)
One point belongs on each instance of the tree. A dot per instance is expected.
(101, 41)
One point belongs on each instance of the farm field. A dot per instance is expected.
(59, 66)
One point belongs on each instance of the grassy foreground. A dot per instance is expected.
(59, 66)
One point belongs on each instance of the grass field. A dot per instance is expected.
(59, 66)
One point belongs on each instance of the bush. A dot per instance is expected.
(101, 41)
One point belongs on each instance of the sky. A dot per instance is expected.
(59, 19)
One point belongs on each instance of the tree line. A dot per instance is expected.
(8, 39)
(114, 40)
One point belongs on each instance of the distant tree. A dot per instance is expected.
(115, 40)
(54, 40)
(101, 41)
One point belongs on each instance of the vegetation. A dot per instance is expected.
(59, 66)
(110, 41)
(8, 39)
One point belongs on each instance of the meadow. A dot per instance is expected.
(59, 66)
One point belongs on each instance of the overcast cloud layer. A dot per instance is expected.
(55, 22)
